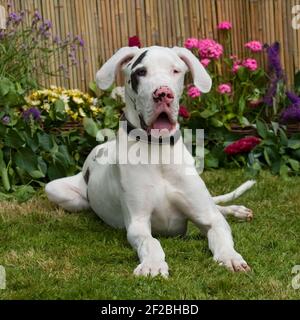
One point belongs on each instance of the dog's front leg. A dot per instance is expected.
(197, 204)
(149, 250)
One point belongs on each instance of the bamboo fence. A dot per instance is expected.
(105, 25)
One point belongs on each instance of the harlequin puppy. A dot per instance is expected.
(145, 198)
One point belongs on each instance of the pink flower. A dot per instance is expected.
(183, 112)
(224, 25)
(254, 46)
(236, 66)
(191, 43)
(250, 64)
(209, 49)
(243, 145)
(224, 88)
(205, 62)
(193, 92)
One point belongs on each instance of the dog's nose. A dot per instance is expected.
(163, 94)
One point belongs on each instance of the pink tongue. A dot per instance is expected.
(162, 122)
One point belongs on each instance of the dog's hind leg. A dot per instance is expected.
(239, 212)
(70, 193)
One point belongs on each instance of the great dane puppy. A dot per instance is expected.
(148, 199)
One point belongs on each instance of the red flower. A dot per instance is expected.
(134, 41)
(242, 145)
(183, 112)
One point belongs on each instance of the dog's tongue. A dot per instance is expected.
(162, 122)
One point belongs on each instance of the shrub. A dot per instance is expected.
(28, 50)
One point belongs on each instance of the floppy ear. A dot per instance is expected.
(105, 77)
(202, 80)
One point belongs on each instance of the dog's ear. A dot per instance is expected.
(105, 77)
(202, 80)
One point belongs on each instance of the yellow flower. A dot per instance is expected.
(82, 113)
(32, 102)
(46, 106)
(78, 100)
(74, 116)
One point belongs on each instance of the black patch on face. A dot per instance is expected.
(140, 72)
(139, 59)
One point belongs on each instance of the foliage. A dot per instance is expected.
(36, 144)
(28, 50)
(276, 151)
(238, 86)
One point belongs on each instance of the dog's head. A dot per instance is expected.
(154, 81)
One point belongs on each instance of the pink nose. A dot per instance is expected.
(163, 94)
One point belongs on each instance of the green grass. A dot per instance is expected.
(51, 254)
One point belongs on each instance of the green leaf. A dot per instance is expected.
(45, 141)
(5, 86)
(283, 138)
(90, 127)
(243, 121)
(294, 164)
(216, 123)
(293, 144)
(36, 174)
(211, 161)
(267, 158)
(284, 170)
(56, 171)
(59, 107)
(26, 159)
(242, 73)
(242, 105)
(262, 129)
(208, 113)
(13, 139)
(93, 87)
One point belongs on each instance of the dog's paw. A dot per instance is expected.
(152, 268)
(241, 212)
(234, 262)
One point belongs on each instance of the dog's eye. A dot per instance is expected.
(141, 72)
(175, 71)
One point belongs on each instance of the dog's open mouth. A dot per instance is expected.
(162, 122)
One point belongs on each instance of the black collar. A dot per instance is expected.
(150, 139)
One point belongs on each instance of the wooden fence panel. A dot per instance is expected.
(105, 25)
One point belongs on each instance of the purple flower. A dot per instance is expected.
(44, 29)
(57, 40)
(36, 18)
(275, 68)
(6, 120)
(33, 113)
(273, 53)
(291, 114)
(293, 98)
(80, 41)
(271, 93)
(14, 18)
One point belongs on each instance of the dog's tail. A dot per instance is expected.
(236, 193)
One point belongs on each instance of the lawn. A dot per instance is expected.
(52, 254)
